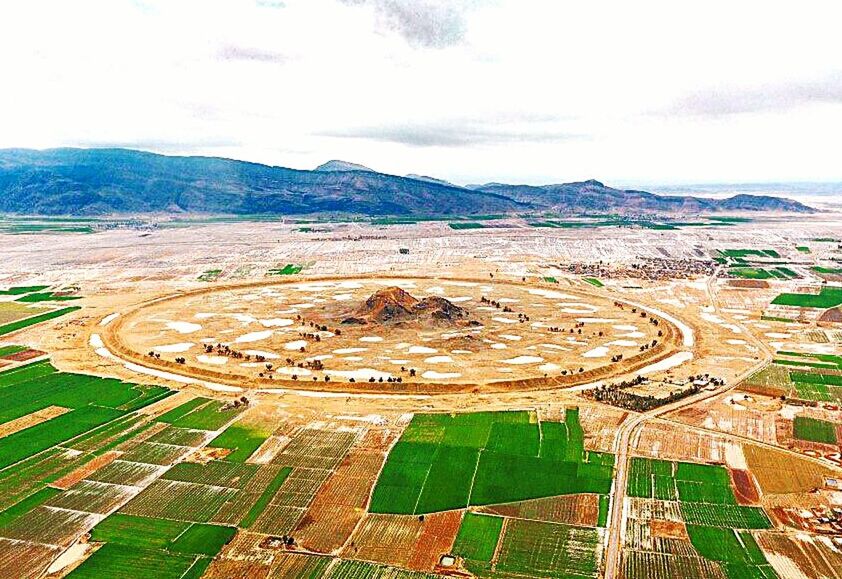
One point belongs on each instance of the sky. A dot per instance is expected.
(473, 91)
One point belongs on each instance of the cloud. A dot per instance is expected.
(424, 23)
(765, 98)
(236, 52)
(458, 133)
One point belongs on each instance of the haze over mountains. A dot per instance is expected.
(105, 181)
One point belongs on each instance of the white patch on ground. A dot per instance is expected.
(96, 341)
(438, 360)
(245, 318)
(508, 301)
(319, 357)
(215, 360)
(675, 360)
(267, 355)
(108, 319)
(632, 335)
(505, 370)
(302, 306)
(511, 337)
(734, 457)
(458, 299)
(433, 375)
(295, 345)
(499, 346)
(461, 352)
(625, 328)
(551, 294)
(343, 297)
(184, 327)
(253, 337)
(580, 310)
(778, 335)
(353, 358)
(596, 320)
(550, 367)
(290, 371)
(399, 362)
(736, 342)
(173, 348)
(436, 290)
(597, 352)
(790, 412)
(461, 283)
(350, 350)
(555, 347)
(503, 320)
(371, 339)
(276, 323)
(181, 379)
(421, 350)
(75, 553)
(523, 360)
(623, 343)
(204, 315)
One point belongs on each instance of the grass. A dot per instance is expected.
(141, 532)
(242, 440)
(265, 498)
(46, 297)
(736, 550)
(539, 549)
(211, 416)
(802, 248)
(814, 430)
(201, 539)
(743, 253)
(115, 560)
(478, 536)
(32, 440)
(20, 290)
(828, 297)
(210, 275)
(550, 279)
(26, 322)
(594, 282)
(179, 411)
(466, 225)
(444, 462)
(27, 504)
(827, 270)
(750, 273)
(288, 269)
(9, 350)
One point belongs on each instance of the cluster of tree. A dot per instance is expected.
(617, 394)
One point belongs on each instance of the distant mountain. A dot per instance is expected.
(593, 196)
(429, 179)
(342, 166)
(104, 181)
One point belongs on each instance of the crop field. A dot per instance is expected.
(537, 549)
(584, 510)
(288, 269)
(477, 541)
(814, 430)
(12, 311)
(19, 324)
(704, 492)
(242, 440)
(779, 473)
(444, 462)
(828, 297)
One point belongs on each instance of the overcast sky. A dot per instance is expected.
(525, 91)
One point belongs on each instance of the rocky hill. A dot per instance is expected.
(122, 181)
(395, 304)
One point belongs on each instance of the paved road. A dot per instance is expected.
(633, 425)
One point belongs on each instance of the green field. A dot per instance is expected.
(538, 549)
(210, 275)
(828, 297)
(31, 321)
(9, 350)
(477, 540)
(736, 551)
(20, 290)
(242, 440)
(46, 297)
(594, 282)
(802, 248)
(262, 501)
(444, 462)
(703, 491)
(288, 269)
(750, 273)
(201, 414)
(743, 253)
(466, 225)
(827, 270)
(814, 430)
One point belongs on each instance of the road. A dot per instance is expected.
(623, 446)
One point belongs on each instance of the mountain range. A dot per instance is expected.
(113, 181)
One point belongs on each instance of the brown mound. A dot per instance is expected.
(396, 304)
(833, 315)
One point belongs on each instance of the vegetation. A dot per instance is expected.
(466, 225)
(288, 269)
(814, 430)
(444, 462)
(242, 440)
(477, 538)
(594, 282)
(25, 323)
(264, 498)
(828, 297)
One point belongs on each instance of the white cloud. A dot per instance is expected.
(477, 90)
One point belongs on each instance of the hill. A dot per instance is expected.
(106, 181)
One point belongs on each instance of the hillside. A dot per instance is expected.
(104, 181)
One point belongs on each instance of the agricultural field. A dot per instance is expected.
(444, 462)
(814, 430)
(827, 297)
